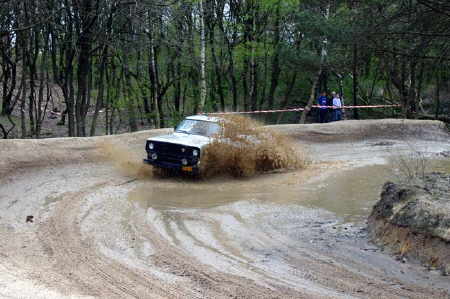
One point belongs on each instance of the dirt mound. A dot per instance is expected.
(21, 154)
(351, 130)
(246, 148)
(414, 221)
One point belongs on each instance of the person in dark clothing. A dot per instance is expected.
(323, 111)
(330, 111)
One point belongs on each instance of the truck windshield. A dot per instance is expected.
(198, 127)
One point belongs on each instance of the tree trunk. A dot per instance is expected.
(154, 80)
(203, 90)
(287, 95)
(31, 98)
(177, 92)
(312, 96)
(70, 102)
(411, 99)
(233, 79)
(101, 91)
(23, 99)
(217, 73)
(9, 74)
(437, 94)
(81, 105)
(319, 74)
(231, 69)
(253, 64)
(275, 61)
(87, 16)
(9, 82)
(355, 80)
(4, 132)
(126, 93)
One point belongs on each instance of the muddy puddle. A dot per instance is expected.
(281, 188)
(348, 192)
(174, 193)
(183, 196)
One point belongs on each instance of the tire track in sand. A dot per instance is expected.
(84, 267)
(85, 270)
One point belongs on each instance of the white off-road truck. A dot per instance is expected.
(182, 149)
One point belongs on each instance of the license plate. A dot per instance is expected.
(187, 168)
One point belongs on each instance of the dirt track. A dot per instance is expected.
(106, 233)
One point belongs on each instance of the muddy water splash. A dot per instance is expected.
(246, 148)
(126, 160)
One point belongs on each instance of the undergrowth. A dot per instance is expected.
(411, 167)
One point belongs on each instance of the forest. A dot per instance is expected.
(108, 66)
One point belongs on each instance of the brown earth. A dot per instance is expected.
(413, 221)
(102, 231)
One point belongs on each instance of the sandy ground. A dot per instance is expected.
(102, 231)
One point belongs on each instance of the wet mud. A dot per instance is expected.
(102, 229)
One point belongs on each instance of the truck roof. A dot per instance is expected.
(204, 117)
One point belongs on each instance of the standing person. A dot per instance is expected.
(337, 108)
(330, 110)
(322, 101)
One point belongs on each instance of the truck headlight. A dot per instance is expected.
(151, 146)
(154, 156)
(195, 153)
(184, 161)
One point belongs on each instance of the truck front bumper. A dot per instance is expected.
(174, 166)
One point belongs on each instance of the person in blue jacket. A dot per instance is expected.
(323, 111)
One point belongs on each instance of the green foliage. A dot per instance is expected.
(397, 42)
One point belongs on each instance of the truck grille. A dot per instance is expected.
(171, 149)
(172, 153)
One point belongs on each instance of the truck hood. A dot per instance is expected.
(184, 139)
